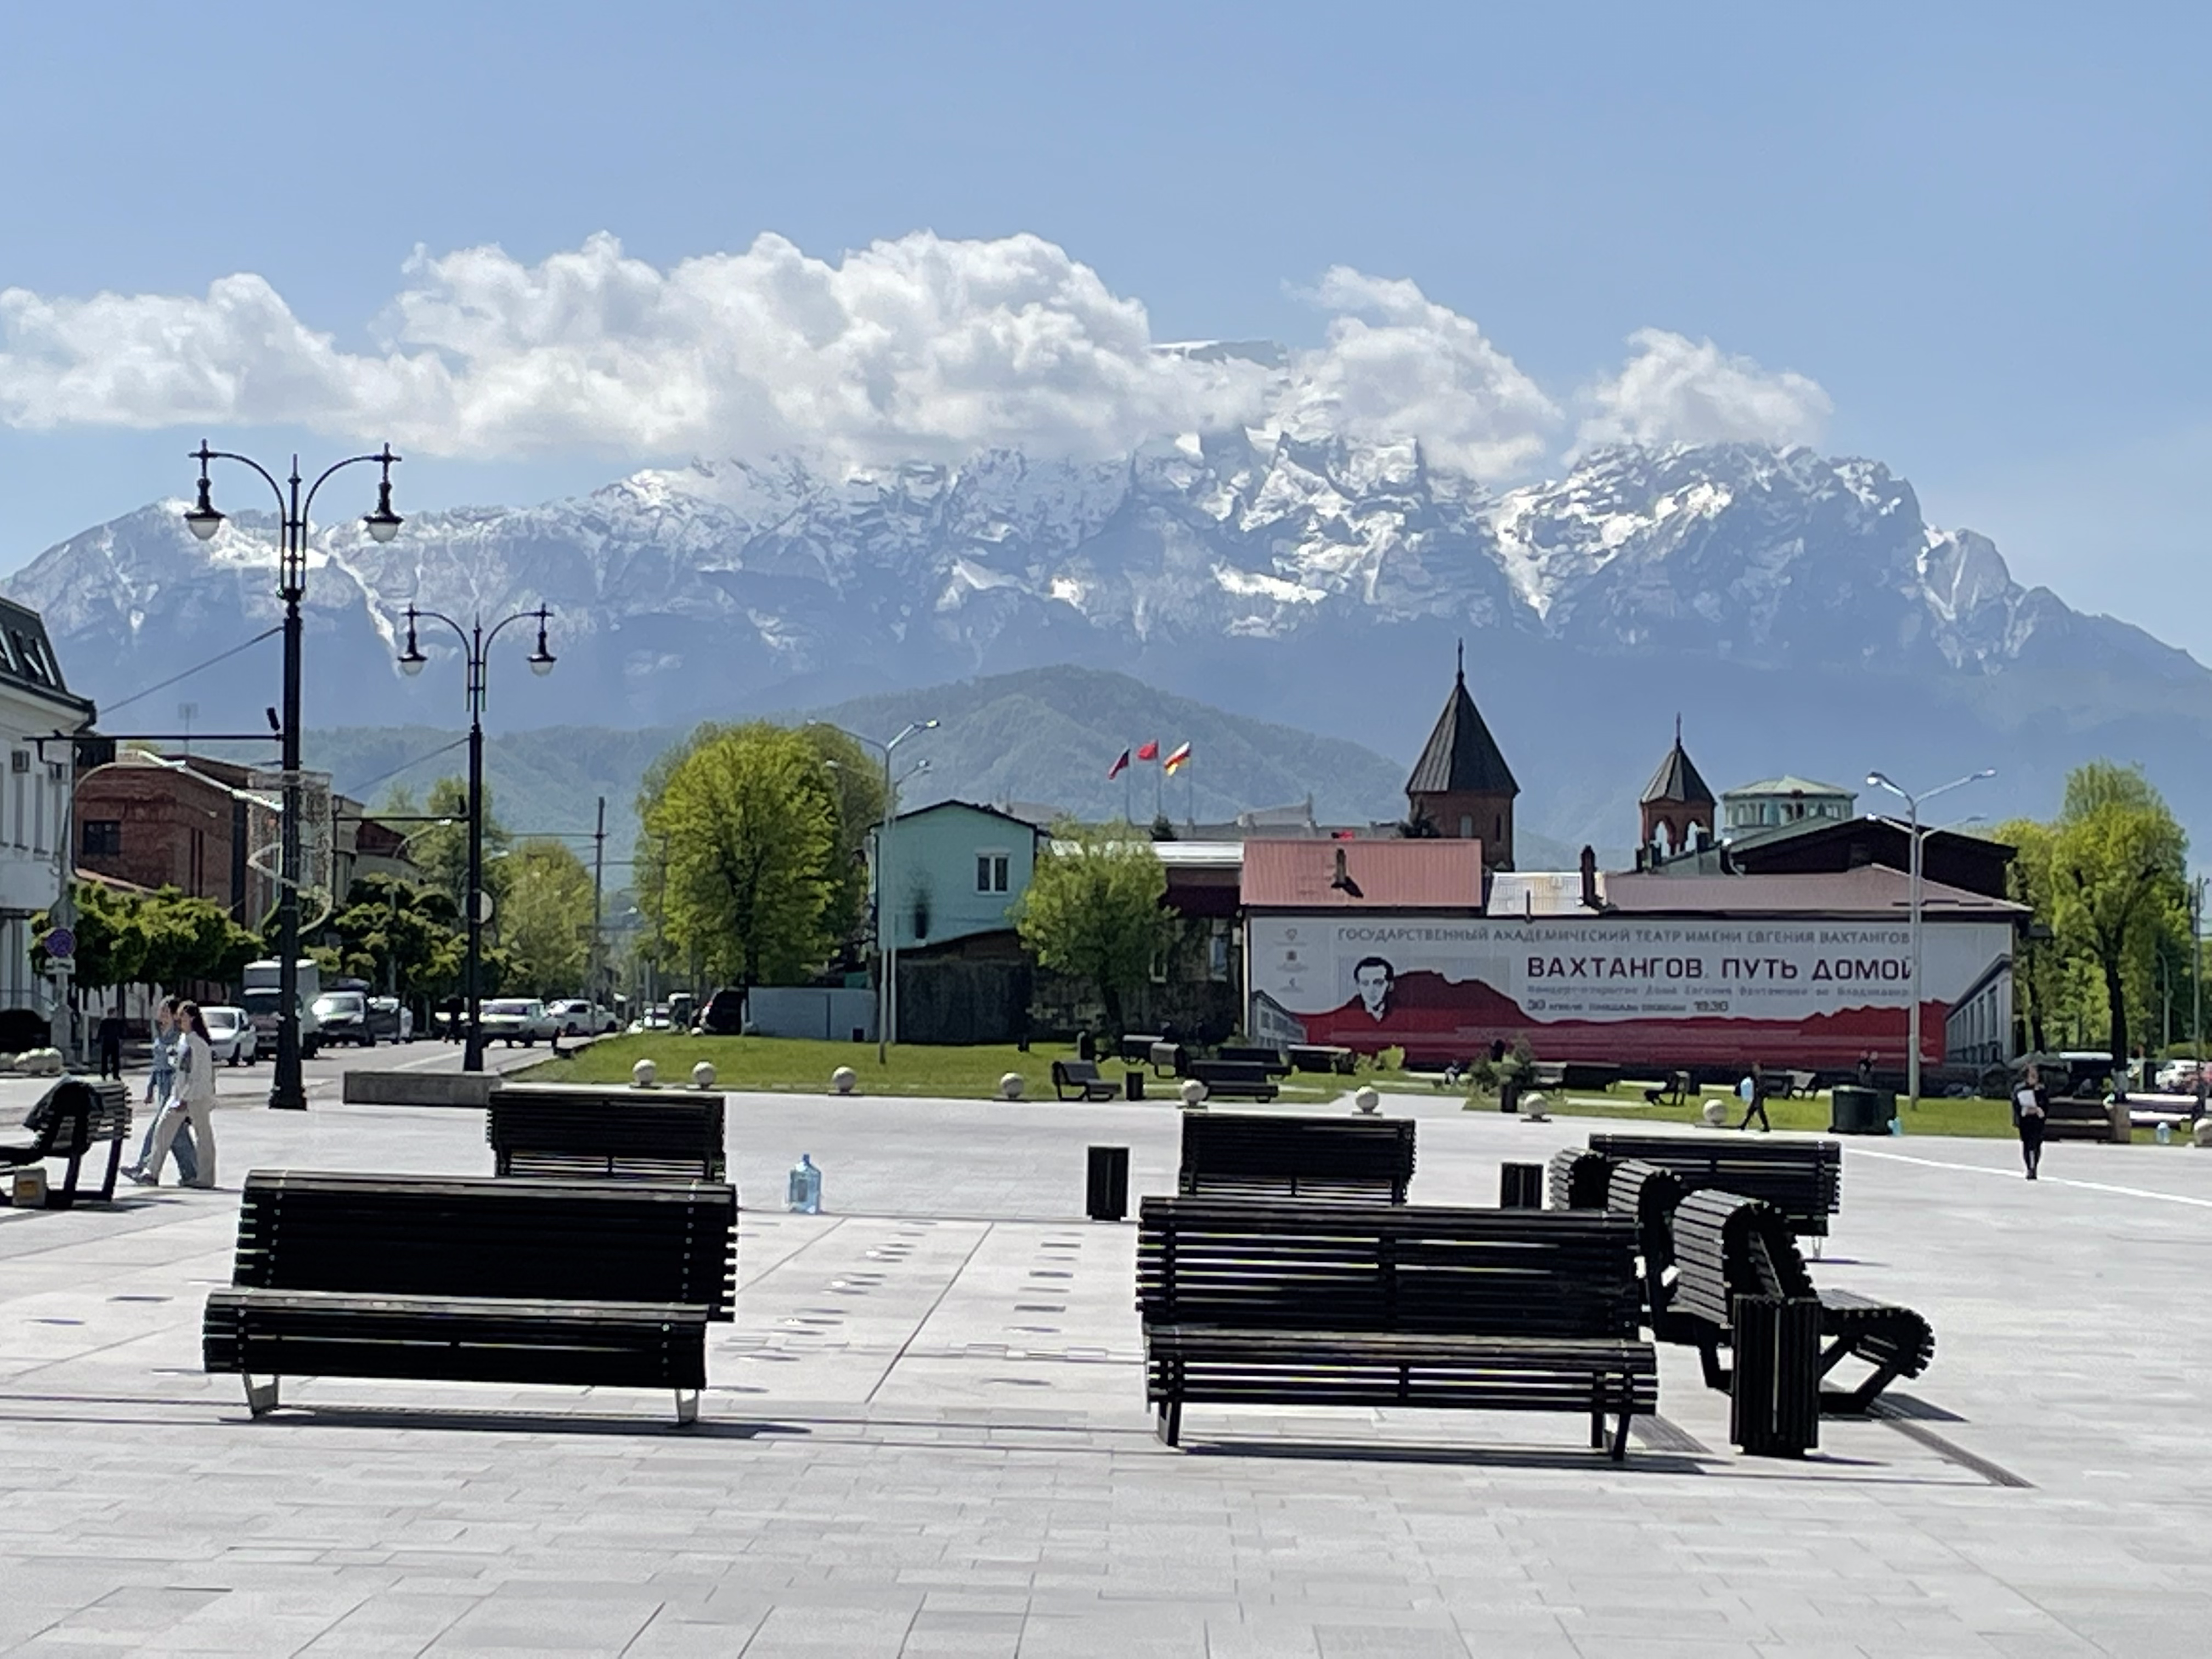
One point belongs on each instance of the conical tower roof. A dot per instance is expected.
(1677, 779)
(1460, 756)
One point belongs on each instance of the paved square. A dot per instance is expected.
(926, 1434)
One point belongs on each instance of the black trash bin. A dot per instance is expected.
(1857, 1110)
(1106, 1184)
(1774, 1397)
(1520, 1186)
(1133, 1083)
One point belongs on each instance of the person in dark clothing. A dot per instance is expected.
(1752, 1092)
(111, 1044)
(2030, 1117)
(1866, 1070)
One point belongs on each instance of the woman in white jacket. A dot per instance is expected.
(191, 1097)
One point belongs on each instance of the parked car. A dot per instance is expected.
(2178, 1077)
(654, 1019)
(724, 1014)
(518, 1019)
(578, 1017)
(390, 1020)
(342, 1017)
(231, 1034)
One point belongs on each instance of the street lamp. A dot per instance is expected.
(886, 932)
(287, 1090)
(476, 640)
(1878, 781)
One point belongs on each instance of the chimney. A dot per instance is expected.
(1591, 900)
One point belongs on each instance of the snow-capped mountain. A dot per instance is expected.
(1797, 606)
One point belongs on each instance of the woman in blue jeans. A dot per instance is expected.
(161, 1080)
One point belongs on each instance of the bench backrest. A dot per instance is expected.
(1651, 1194)
(1247, 1072)
(1075, 1071)
(1575, 1179)
(1276, 1062)
(1727, 1245)
(78, 1113)
(1803, 1179)
(1231, 1154)
(617, 1135)
(583, 1240)
(1282, 1265)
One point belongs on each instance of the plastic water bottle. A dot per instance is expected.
(803, 1193)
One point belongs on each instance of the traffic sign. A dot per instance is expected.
(61, 945)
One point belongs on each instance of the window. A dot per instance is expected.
(991, 872)
(102, 836)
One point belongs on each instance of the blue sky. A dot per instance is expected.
(1982, 230)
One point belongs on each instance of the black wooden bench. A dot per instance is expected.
(587, 1283)
(560, 1132)
(1237, 1079)
(1652, 1194)
(1727, 1246)
(69, 1120)
(1277, 1063)
(1362, 1160)
(1135, 1047)
(1802, 1179)
(1575, 1179)
(1250, 1303)
(1323, 1057)
(1082, 1075)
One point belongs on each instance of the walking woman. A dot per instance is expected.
(160, 1077)
(2029, 1118)
(191, 1099)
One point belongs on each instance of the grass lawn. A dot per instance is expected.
(1989, 1118)
(795, 1065)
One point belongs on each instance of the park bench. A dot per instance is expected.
(563, 1131)
(1652, 1195)
(1257, 1302)
(1136, 1047)
(586, 1283)
(1233, 1079)
(1364, 1160)
(1575, 1179)
(1167, 1058)
(2067, 1118)
(1802, 1084)
(1802, 1179)
(1277, 1062)
(69, 1120)
(1323, 1057)
(1727, 1246)
(1082, 1075)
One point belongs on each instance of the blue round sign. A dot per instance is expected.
(61, 945)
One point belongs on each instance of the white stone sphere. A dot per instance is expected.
(702, 1075)
(642, 1075)
(1714, 1113)
(844, 1079)
(1533, 1109)
(1193, 1094)
(2204, 1131)
(1367, 1100)
(1012, 1085)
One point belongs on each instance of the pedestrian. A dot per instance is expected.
(160, 1077)
(2030, 1117)
(111, 1043)
(191, 1099)
(1752, 1092)
(1866, 1070)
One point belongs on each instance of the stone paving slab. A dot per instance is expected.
(926, 1435)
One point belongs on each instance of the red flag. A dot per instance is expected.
(1178, 759)
(1118, 766)
(1150, 751)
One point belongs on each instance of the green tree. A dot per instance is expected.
(545, 919)
(2118, 884)
(742, 832)
(111, 939)
(2040, 986)
(191, 938)
(440, 851)
(398, 936)
(1093, 911)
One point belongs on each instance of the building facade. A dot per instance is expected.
(40, 719)
(1461, 788)
(154, 821)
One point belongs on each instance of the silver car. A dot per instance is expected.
(516, 1020)
(230, 1034)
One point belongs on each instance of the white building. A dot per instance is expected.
(39, 719)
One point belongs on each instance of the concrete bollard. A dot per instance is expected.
(702, 1075)
(1194, 1094)
(1366, 1098)
(2203, 1132)
(1010, 1086)
(1714, 1113)
(643, 1074)
(844, 1079)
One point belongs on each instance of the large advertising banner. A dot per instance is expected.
(1802, 994)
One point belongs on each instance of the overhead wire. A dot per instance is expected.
(162, 685)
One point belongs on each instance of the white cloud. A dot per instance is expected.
(1676, 390)
(919, 348)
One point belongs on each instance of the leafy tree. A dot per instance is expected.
(545, 919)
(191, 938)
(2040, 990)
(1093, 911)
(440, 851)
(2119, 883)
(111, 937)
(399, 935)
(743, 834)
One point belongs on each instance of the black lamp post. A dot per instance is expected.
(286, 1090)
(476, 640)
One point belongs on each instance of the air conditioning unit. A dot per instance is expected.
(19, 760)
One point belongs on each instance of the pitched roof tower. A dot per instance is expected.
(1461, 786)
(1676, 803)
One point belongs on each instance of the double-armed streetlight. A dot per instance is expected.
(287, 1089)
(1912, 803)
(476, 641)
(886, 929)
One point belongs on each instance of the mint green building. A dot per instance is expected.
(953, 872)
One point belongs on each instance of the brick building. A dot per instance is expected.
(188, 823)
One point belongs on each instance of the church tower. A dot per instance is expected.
(1462, 787)
(1677, 806)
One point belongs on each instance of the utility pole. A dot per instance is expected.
(599, 889)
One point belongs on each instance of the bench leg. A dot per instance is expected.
(1170, 1425)
(1839, 1402)
(260, 1397)
(1709, 1356)
(1627, 1414)
(114, 1168)
(1598, 1414)
(687, 1407)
